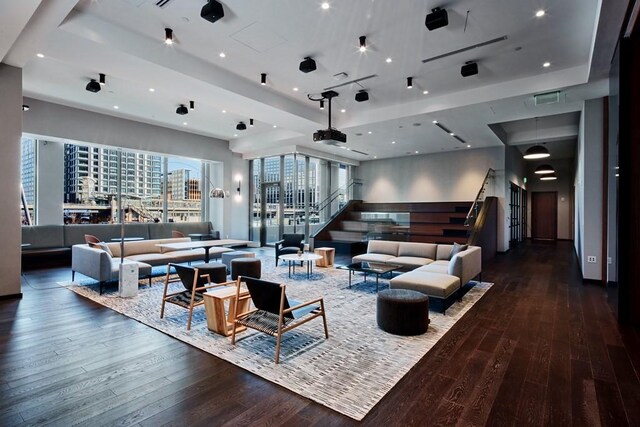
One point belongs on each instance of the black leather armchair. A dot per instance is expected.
(290, 244)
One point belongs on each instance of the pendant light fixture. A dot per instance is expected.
(544, 169)
(548, 177)
(537, 151)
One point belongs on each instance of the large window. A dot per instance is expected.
(99, 181)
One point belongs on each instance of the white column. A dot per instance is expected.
(50, 182)
(10, 133)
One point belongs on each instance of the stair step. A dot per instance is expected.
(348, 236)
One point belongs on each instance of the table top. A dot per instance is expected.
(370, 267)
(224, 292)
(126, 239)
(307, 256)
(202, 244)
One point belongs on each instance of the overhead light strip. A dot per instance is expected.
(444, 128)
(351, 81)
(464, 49)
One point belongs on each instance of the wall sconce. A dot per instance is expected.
(239, 179)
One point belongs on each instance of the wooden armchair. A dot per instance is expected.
(274, 314)
(194, 285)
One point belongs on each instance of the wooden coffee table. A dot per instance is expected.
(214, 301)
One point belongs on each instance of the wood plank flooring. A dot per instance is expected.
(541, 348)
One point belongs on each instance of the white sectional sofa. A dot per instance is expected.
(430, 267)
(101, 263)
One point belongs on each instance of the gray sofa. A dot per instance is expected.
(102, 265)
(429, 267)
(55, 241)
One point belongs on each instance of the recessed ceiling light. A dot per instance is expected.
(295, 89)
(363, 43)
(425, 92)
(389, 60)
(393, 142)
(115, 107)
(375, 157)
(369, 132)
(222, 55)
(468, 145)
(224, 111)
(25, 107)
(325, 5)
(546, 64)
(435, 122)
(343, 111)
(275, 126)
(151, 89)
(39, 55)
(235, 134)
(452, 134)
(185, 123)
(540, 13)
(417, 151)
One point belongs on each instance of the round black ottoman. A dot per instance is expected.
(403, 311)
(249, 267)
(217, 272)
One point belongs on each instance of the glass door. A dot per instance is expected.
(271, 215)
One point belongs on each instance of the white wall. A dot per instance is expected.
(515, 172)
(10, 134)
(589, 189)
(563, 185)
(47, 119)
(443, 177)
(50, 182)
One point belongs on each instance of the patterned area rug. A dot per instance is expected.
(349, 372)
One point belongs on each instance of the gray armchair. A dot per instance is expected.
(290, 244)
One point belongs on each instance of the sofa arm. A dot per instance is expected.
(278, 244)
(91, 262)
(466, 264)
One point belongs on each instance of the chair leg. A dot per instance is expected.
(190, 315)
(101, 283)
(324, 320)
(278, 347)
(73, 275)
(162, 309)
(233, 334)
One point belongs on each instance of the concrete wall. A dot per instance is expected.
(588, 182)
(50, 121)
(442, 177)
(563, 185)
(10, 134)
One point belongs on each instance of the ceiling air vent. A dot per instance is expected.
(163, 3)
(547, 98)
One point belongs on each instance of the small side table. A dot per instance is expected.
(214, 301)
(328, 256)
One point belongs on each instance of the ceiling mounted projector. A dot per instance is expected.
(469, 69)
(438, 18)
(308, 65)
(182, 110)
(241, 126)
(329, 136)
(93, 86)
(362, 96)
(212, 11)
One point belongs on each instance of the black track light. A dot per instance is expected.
(103, 79)
(470, 68)
(438, 18)
(409, 82)
(308, 65)
(192, 105)
(362, 96)
(182, 110)
(263, 79)
(322, 104)
(168, 36)
(251, 122)
(93, 86)
(363, 43)
(241, 126)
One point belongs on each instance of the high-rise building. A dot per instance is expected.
(91, 173)
(28, 148)
(182, 187)
(293, 187)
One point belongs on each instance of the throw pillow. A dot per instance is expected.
(94, 245)
(105, 247)
(457, 248)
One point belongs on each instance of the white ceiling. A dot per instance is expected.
(124, 40)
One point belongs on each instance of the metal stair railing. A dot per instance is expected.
(472, 215)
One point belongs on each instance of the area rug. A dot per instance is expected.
(349, 372)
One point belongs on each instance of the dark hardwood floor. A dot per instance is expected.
(541, 348)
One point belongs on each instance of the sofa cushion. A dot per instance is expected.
(151, 258)
(441, 267)
(443, 253)
(187, 255)
(419, 250)
(43, 236)
(371, 258)
(409, 261)
(104, 247)
(433, 284)
(384, 247)
(172, 240)
(457, 248)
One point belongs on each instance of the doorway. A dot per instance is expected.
(544, 215)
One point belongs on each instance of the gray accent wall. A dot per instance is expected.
(50, 182)
(10, 134)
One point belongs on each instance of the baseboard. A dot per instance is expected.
(591, 281)
(11, 296)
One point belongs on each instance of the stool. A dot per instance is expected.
(217, 272)
(249, 267)
(228, 256)
(328, 255)
(402, 311)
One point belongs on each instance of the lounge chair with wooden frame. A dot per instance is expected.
(194, 285)
(273, 313)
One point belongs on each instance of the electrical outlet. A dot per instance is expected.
(591, 259)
